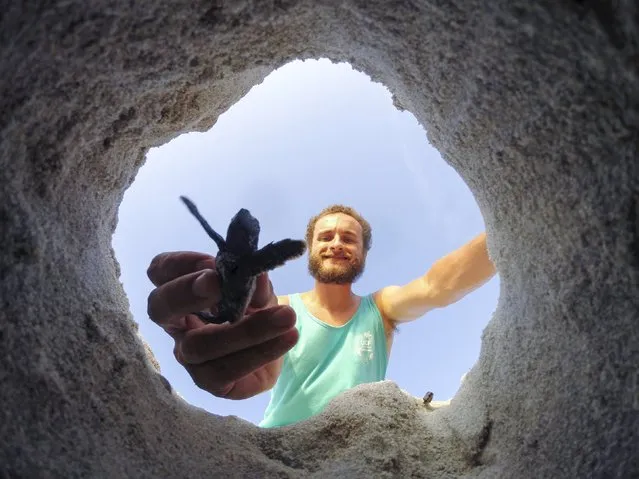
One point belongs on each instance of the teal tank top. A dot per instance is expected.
(326, 361)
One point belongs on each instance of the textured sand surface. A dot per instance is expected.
(535, 104)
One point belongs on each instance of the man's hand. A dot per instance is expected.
(234, 361)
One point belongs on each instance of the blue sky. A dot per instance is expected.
(312, 134)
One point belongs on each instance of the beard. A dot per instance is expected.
(344, 272)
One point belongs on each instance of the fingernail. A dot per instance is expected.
(205, 284)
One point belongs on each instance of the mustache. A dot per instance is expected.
(345, 256)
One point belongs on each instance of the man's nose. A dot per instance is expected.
(336, 243)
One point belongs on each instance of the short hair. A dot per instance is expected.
(347, 210)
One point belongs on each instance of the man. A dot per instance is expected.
(307, 347)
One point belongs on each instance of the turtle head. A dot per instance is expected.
(243, 233)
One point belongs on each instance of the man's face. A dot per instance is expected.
(337, 252)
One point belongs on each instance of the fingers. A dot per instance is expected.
(219, 377)
(169, 266)
(192, 292)
(216, 341)
(178, 327)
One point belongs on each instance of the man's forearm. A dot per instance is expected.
(461, 272)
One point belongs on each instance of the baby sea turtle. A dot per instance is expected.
(238, 262)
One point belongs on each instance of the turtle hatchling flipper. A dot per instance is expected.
(214, 235)
(272, 256)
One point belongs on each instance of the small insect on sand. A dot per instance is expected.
(239, 261)
(428, 397)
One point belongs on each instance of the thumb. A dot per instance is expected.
(264, 295)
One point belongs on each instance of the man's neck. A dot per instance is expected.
(333, 297)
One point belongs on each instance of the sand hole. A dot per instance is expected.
(313, 133)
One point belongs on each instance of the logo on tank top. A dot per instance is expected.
(364, 346)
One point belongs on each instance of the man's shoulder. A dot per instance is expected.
(378, 298)
(378, 295)
(284, 300)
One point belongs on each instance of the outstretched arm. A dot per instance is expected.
(447, 281)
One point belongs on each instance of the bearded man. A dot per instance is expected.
(307, 347)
